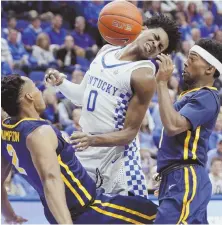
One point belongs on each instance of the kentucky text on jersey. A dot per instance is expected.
(104, 86)
(10, 136)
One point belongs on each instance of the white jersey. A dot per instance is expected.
(106, 98)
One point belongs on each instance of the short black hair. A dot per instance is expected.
(169, 26)
(214, 48)
(10, 91)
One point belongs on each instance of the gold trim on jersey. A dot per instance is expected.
(195, 89)
(185, 197)
(10, 126)
(196, 139)
(70, 173)
(186, 203)
(186, 145)
(114, 215)
(122, 208)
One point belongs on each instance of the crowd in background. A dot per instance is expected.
(64, 35)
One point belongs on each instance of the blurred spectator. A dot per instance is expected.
(16, 185)
(77, 76)
(41, 51)
(82, 38)
(209, 28)
(216, 134)
(51, 111)
(65, 108)
(196, 34)
(194, 18)
(19, 54)
(66, 55)
(6, 58)
(157, 120)
(75, 126)
(31, 32)
(148, 166)
(11, 24)
(145, 134)
(218, 36)
(215, 153)
(56, 32)
(92, 10)
(185, 28)
(215, 175)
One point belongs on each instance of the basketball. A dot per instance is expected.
(120, 23)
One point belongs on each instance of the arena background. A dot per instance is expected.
(37, 35)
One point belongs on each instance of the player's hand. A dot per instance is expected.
(15, 220)
(80, 140)
(166, 68)
(54, 77)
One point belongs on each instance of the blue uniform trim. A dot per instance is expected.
(115, 65)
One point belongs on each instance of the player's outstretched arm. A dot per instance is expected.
(73, 92)
(7, 210)
(143, 85)
(42, 144)
(173, 122)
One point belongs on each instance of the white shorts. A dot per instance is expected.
(121, 172)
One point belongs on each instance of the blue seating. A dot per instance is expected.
(37, 76)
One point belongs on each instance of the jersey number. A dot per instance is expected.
(92, 100)
(15, 160)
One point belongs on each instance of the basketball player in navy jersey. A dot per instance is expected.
(46, 159)
(185, 188)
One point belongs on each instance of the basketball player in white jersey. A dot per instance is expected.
(115, 94)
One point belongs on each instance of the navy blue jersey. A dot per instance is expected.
(80, 189)
(201, 107)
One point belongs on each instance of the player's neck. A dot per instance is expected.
(200, 84)
(129, 53)
(28, 113)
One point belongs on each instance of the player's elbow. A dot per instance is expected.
(130, 135)
(171, 131)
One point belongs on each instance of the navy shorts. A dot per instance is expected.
(118, 209)
(183, 196)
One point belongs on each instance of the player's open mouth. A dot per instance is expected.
(148, 48)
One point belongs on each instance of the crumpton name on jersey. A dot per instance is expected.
(104, 86)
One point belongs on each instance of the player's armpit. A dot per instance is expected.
(42, 144)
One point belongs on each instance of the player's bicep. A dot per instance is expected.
(143, 86)
(42, 144)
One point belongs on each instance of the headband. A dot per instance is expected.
(208, 57)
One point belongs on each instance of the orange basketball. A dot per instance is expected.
(120, 23)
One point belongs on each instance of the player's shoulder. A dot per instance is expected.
(40, 133)
(105, 48)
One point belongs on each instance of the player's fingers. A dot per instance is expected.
(75, 141)
(77, 135)
(163, 61)
(81, 146)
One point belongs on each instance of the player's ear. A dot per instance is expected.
(29, 96)
(210, 70)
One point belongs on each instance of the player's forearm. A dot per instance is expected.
(118, 138)
(169, 116)
(7, 210)
(73, 92)
(55, 197)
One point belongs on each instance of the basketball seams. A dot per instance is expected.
(120, 16)
(116, 31)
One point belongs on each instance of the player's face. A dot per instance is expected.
(35, 95)
(152, 42)
(194, 68)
